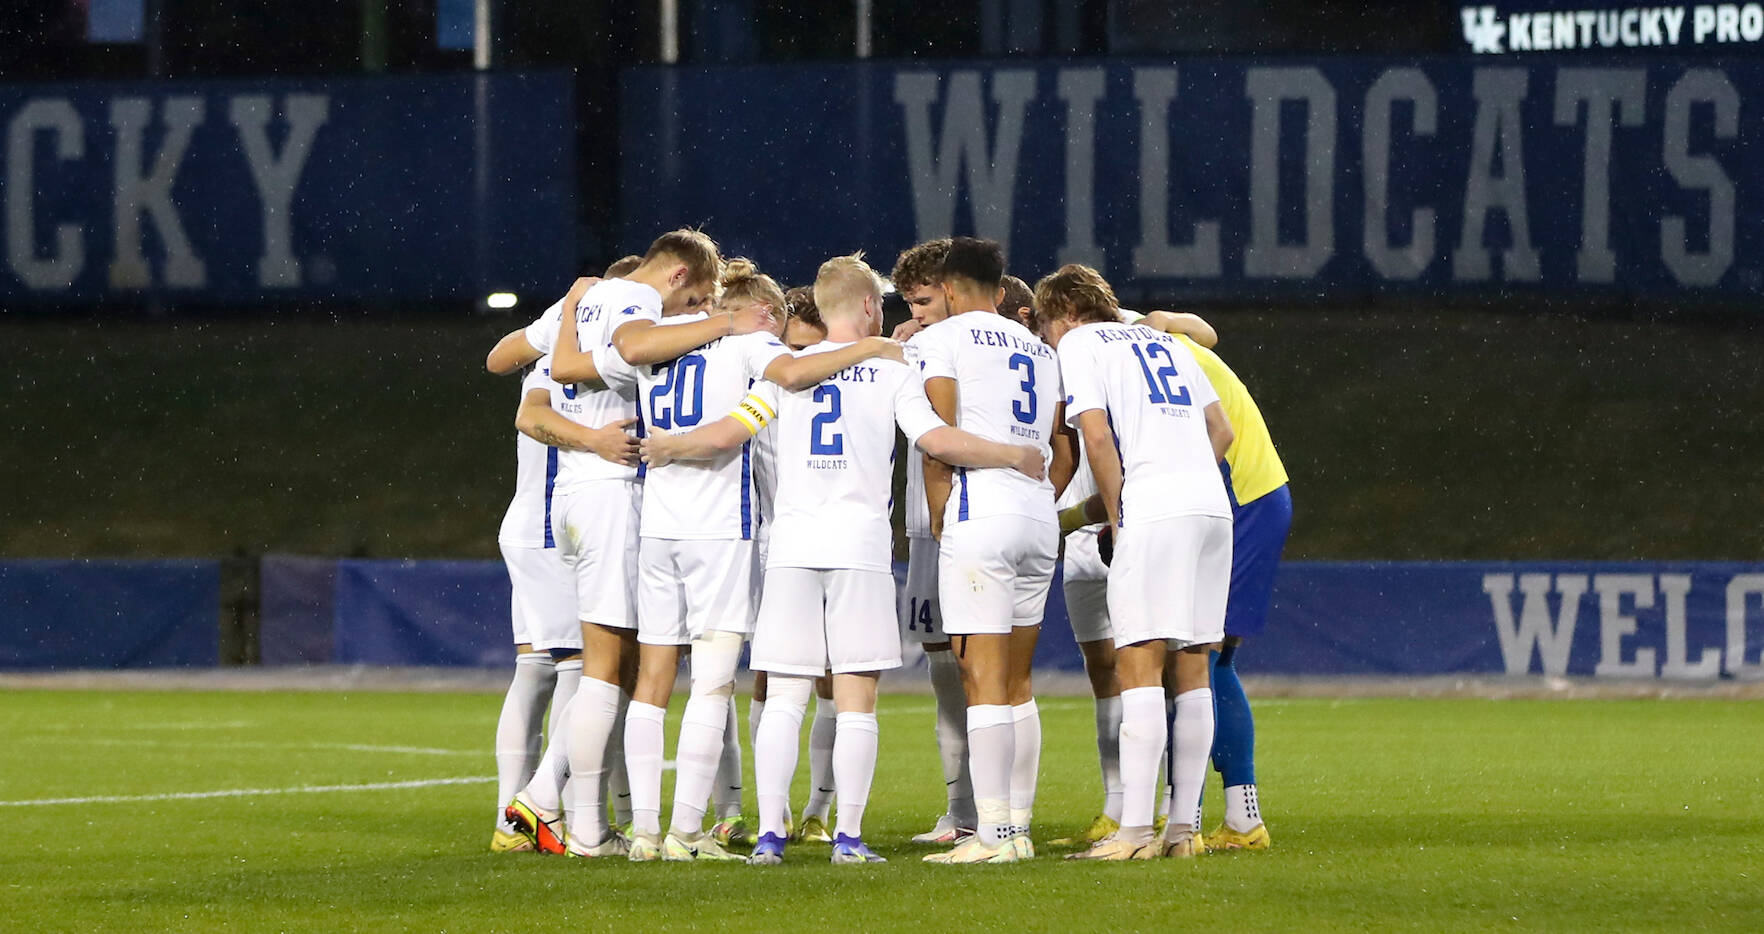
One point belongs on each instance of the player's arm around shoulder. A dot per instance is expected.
(798, 372)
(707, 442)
(1183, 324)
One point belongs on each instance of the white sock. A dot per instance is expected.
(775, 752)
(546, 788)
(822, 781)
(593, 713)
(1242, 811)
(1108, 751)
(617, 786)
(1142, 735)
(727, 792)
(854, 766)
(992, 741)
(643, 762)
(1169, 758)
(569, 677)
(1191, 742)
(517, 729)
(756, 708)
(696, 758)
(1025, 763)
(952, 734)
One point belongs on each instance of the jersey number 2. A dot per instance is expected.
(820, 441)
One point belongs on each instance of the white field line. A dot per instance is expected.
(252, 792)
(256, 744)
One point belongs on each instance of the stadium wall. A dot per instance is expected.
(395, 189)
(1228, 178)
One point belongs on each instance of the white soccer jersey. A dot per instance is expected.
(765, 457)
(527, 523)
(1008, 383)
(835, 464)
(918, 512)
(712, 499)
(1155, 396)
(1083, 483)
(603, 308)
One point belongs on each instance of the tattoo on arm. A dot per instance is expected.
(547, 436)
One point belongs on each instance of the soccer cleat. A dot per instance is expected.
(1224, 838)
(1115, 847)
(544, 829)
(768, 850)
(510, 841)
(814, 830)
(753, 833)
(1023, 845)
(946, 832)
(852, 850)
(615, 845)
(972, 850)
(736, 829)
(1158, 824)
(1100, 828)
(678, 849)
(645, 848)
(1182, 844)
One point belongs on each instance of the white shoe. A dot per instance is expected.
(972, 850)
(615, 844)
(945, 832)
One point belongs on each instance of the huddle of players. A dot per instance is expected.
(679, 550)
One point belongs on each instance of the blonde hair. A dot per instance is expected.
(704, 266)
(843, 282)
(1075, 291)
(624, 267)
(743, 282)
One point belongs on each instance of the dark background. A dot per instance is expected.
(1512, 428)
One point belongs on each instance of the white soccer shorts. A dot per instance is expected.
(921, 619)
(687, 588)
(994, 572)
(1170, 580)
(543, 599)
(1085, 580)
(814, 621)
(599, 521)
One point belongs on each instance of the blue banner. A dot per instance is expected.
(434, 187)
(1575, 25)
(1678, 621)
(1220, 177)
(109, 614)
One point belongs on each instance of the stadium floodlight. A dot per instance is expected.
(502, 300)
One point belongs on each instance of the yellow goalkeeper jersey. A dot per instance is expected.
(1256, 469)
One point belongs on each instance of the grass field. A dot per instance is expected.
(1413, 814)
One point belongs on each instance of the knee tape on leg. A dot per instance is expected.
(789, 692)
(715, 656)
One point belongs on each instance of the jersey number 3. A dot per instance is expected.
(821, 440)
(1024, 408)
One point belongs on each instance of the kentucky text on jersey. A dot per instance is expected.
(987, 338)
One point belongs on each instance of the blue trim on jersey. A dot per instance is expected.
(746, 490)
(1121, 458)
(550, 485)
(962, 506)
(1230, 490)
(642, 468)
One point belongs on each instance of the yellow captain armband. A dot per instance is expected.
(1072, 519)
(754, 413)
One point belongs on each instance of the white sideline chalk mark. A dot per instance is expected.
(254, 744)
(252, 792)
(183, 726)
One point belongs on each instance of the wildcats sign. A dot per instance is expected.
(401, 188)
(1694, 621)
(1217, 177)
(1569, 25)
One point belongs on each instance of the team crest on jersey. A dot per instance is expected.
(630, 311)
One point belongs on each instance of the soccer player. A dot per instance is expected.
(596, 502)
(1172, 564)
(918, 277)
(829, 591)
(548, 643)
(999, 539)
(697, 577)
(1084, 581)
(1018, 303)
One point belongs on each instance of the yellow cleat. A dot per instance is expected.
(1182, 844)
(1115, 848)
(1100, 828)
(644, 848)
(736, 829)
(972, 850)
(510, 841)
(814, 830)
(1023, 845)
(678, 849)
(1224, 838)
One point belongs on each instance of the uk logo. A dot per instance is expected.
(1482, 30)
(630, 311)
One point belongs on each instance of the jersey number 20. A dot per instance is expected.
(685, 382)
